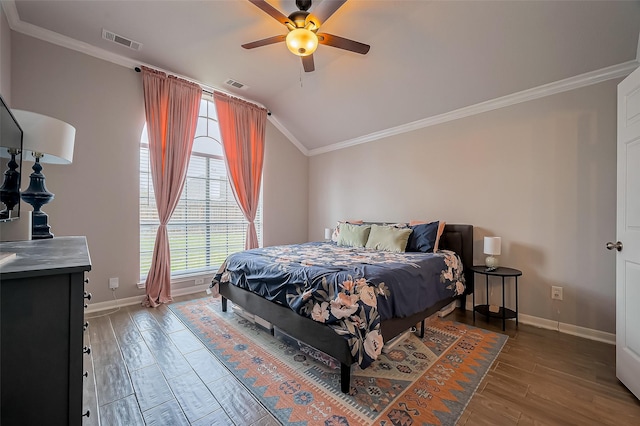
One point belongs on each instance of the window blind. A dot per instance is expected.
(207, 225)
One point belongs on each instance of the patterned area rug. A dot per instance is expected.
(425, 381)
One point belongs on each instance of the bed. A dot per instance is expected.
(291, 310)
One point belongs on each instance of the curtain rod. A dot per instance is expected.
(210, 91)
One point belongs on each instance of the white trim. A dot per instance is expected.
(288, 134)
(587, 333)
(571, 83)
(136, 300)
(11, 12)
(70, 43)
(206, 279)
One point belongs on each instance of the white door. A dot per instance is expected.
(628, 232)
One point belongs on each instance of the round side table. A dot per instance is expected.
(502, 312)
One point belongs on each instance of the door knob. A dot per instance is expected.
(617, 246)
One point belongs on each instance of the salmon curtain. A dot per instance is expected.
(171, 107)
(242, 127)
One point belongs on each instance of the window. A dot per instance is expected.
(207, 224)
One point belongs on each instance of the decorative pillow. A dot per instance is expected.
(397, 225)
(441, 225)
(353, 235)
(423, 237)
(388, 238)
(336, 230)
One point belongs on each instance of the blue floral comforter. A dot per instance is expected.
(350, 289)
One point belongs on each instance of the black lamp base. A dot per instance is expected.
(37, 195)
(10, 189)
(40, 228)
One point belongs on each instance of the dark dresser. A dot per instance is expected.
(42, 299)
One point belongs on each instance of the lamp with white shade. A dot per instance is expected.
(48, 140)
(492, 248)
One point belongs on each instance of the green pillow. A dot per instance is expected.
(353, 235)
(388, 238)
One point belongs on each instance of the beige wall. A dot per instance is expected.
(285, 187)
(541, 174)
(97, 195)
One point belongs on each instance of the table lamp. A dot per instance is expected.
(492, 249)
(10, 189)
(48, 140)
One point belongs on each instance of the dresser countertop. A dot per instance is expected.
(46, 256)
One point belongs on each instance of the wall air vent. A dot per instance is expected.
(108, 35)
(236, 84)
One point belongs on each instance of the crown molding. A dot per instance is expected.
(10, 11)
(61, 40)
(288, 135)
(52, 37)
(571, 83)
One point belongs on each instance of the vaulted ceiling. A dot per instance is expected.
(428, 59)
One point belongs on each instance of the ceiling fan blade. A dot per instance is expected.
(343, 43)
(272, 11)
(264, 41)
(325, 9)
(307, 63)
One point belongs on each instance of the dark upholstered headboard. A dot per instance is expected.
(459, 238)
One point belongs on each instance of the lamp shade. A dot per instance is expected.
(302, 42)
(492, 245)
(47, 135)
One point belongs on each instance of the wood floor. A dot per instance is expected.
(544, 377)
(147, 368)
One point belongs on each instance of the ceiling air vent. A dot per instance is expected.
(236, 84)
(108, 35)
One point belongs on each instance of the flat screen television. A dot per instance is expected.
(10, 164)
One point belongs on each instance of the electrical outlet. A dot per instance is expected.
(556, 292)
(114, 283)
(199, 281)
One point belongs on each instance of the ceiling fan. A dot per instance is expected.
(303, 37)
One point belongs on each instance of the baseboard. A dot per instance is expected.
(136, 300)
(587, 333)
(575, 330)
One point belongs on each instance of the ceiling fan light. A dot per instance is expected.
(302, 42)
